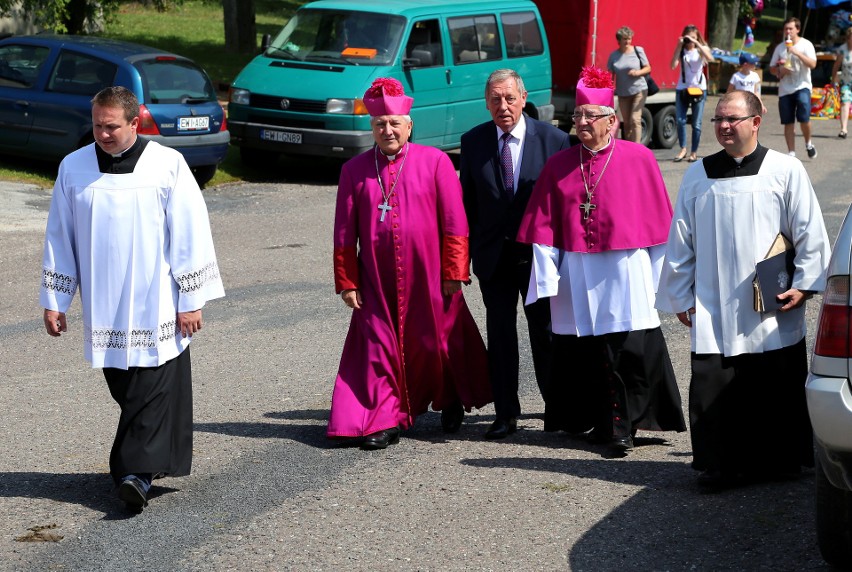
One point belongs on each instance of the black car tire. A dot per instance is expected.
(203, 174)
(665, 127)
(833, 521)
(647, 127)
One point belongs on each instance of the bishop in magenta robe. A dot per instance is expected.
(400, 237)
(598, 220)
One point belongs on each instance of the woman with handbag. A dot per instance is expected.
(692, 53)
(629, 66)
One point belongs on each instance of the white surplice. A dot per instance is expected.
(729, 224)
(139, 248)
(599, 293)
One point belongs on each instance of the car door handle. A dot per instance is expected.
(449, 77)
(22, 103)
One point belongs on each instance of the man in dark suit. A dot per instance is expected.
(500, 161)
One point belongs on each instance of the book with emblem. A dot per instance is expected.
(774, 275)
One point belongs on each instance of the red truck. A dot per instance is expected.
(582, 33)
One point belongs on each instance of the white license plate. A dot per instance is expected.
(193, 123)
(281, 136)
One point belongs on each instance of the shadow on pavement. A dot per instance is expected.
(91, 490)
(668, 524)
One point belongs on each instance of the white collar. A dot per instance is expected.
(518, 131)
(608, 143)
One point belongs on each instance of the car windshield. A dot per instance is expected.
(344, 37)
(169, 80)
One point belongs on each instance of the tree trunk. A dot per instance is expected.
(76, 16)
(722, 22)
(240, 28)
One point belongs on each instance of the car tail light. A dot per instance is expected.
(833, 332)
(224, 119)
(147, 125)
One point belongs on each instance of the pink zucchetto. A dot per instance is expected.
(595, 87)
(387, 97)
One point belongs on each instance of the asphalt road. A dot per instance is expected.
(269, 492)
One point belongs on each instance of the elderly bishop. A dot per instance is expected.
(598, 220)
(400, 257)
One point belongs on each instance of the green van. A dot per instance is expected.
(302, 95)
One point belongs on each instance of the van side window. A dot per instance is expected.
(424, 46)
(523, 35)
(474, 39)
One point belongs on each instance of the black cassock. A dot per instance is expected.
(613, 383)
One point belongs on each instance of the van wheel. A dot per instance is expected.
(203, 174)
(833, 521)
(665, 127)
(258, 158)
(647, 127)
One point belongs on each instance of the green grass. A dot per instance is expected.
(764, 33)
(195, 30)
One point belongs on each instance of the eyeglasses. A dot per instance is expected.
(588, 116)
(730, 119)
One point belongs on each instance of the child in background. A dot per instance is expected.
(746, 78)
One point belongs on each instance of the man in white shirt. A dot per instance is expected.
(128, 224)
(747, 411)
(792, 62)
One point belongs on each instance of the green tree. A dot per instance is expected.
(73, 16)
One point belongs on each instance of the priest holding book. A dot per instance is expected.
(747, 411)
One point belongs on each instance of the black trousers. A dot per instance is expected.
(154, 432)
(748, 413)
(500, 294)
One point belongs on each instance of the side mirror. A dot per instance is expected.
(265, 40)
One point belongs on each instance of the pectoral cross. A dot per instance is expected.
(384, 207)
(587, 207)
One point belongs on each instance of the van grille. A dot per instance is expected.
(286, 122)
(297, 105)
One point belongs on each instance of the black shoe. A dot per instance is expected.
(381, 439)
(133, 495)
(451, 418)
(812, 152)
(502, 428)
(596, 437)
(622, 444)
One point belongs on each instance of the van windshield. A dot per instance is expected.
(338, 36)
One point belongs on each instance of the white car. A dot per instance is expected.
(829, 394)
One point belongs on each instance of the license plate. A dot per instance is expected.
(193, 123)
(281, 136)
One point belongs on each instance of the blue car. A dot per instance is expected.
(47, 83)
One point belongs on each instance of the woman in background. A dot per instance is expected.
(629, 65)
(692, 53)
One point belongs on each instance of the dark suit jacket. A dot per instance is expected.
(491, 215)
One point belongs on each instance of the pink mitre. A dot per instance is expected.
(595, 87)
(387, 97)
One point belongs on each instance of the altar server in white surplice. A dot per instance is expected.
(129, 227)
(747, 411)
